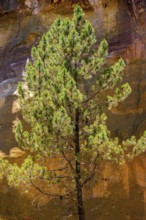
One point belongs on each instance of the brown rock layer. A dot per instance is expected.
(122, 23)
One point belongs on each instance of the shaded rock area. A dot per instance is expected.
(122, 23)
(21, 207)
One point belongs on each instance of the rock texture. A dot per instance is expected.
(122, 23)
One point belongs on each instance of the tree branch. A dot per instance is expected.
(87, 100)
(46, 193)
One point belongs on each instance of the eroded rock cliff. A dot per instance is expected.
(122, 23)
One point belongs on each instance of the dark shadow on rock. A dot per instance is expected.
(22, 32)
(7, 139)
(15, 205)
(118, 206)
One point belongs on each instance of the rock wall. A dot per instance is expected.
(122, 23)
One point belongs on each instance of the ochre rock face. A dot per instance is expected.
(123, 24)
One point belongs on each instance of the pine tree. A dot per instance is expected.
(63, 100)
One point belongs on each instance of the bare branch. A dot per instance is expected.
(66, 158)
(87, 100)
(46, 193)
(93, 170)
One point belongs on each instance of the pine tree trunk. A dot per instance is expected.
(80, 204)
